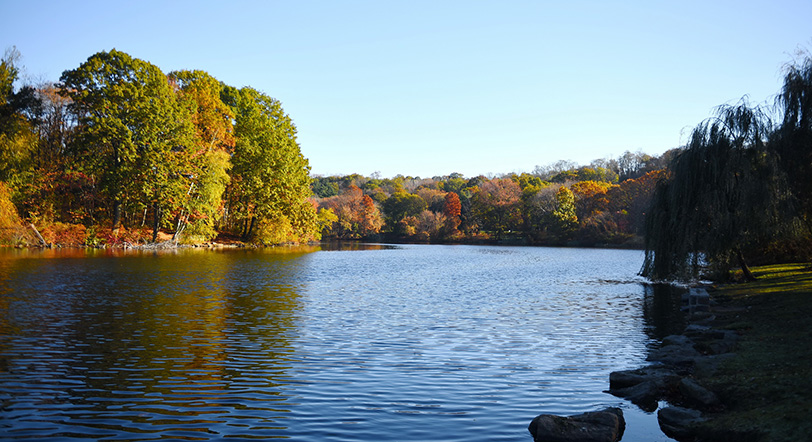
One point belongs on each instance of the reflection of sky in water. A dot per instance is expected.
(423, 342)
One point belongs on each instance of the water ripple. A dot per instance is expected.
(418, 343)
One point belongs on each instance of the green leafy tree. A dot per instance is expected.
(586, 174)
(454, 183)
(549, 213)
(324, 187)
(401, 205)
(326, 218)
(563, 219)
(270, 181)
(526, 180)
(17, 138)
(132, 130)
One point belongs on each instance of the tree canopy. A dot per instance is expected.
(119, 141)
(738, 187)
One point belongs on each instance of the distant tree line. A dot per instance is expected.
(117, 142)
(562, 203)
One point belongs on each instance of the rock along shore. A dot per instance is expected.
(674, 375)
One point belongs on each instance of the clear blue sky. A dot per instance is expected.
(429, 88)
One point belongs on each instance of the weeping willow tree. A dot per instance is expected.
(721, 201)
(793, 139)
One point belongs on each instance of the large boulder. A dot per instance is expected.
(629, 378)
(597, 426)
(677, 353)
(679, 423)
(645, 395)
(643, 387)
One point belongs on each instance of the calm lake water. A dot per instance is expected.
(402, 343)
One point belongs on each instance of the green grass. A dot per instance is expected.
(767, 388)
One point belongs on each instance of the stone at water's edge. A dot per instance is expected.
(644, 387)
(679, 423)
(629, 378)
(597, 426)
(645, 394)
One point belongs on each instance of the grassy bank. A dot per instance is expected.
(767, 388)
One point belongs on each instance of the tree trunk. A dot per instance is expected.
(156, 221)
(41, 239)
(748, 275)
(117, 190)
(250, 229)
(116, 214)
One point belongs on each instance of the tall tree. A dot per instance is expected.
(208, 161)
(270, 181)
(721, 201)
(131, 129)
(10, 223)
(55, 127)
(793, 140)
(563, 220)
(17, 139)
(629, 201)
(452, 209)
(590, 197)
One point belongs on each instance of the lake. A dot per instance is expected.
(360, 343)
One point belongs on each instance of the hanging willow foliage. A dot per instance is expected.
(793, 139)
(720, 201)
(739, 184)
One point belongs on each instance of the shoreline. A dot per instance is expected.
(233, 243)
(740, 371)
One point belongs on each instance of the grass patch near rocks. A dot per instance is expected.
(767, 387)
